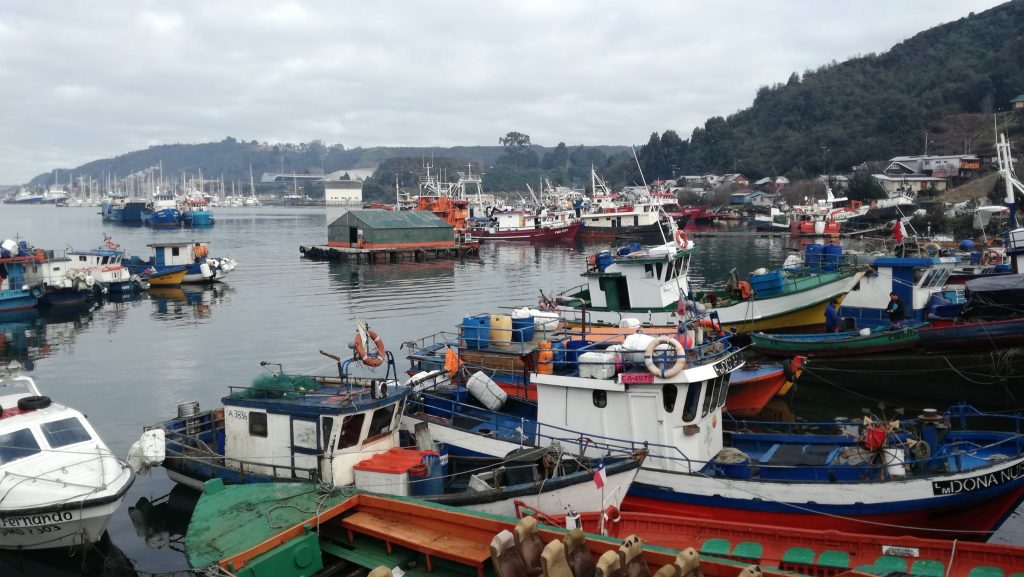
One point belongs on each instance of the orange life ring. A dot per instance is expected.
(744, 288)
(681, 237)
(370, 361)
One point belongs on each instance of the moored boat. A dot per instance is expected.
(104, 265)
(195, 257)
(862, 342)
(59, 484)
(162, 212)
(15, 292)
(528, 226)
(754, 385)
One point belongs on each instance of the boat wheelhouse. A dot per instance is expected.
(59, 484)
(914, 279)
(15, 291)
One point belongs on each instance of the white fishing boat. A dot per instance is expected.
(59, 484)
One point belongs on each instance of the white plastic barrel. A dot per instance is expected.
(486, 391)
(205, 270)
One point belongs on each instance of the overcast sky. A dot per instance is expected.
(93, 79)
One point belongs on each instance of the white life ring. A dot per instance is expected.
(672, 371)
(681, 238)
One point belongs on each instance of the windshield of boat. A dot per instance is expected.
(17, 445)
(64, 432)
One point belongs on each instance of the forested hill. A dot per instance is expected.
(871, 107)
(231, 159)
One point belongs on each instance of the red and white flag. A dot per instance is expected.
(897, 231)
(599, 477)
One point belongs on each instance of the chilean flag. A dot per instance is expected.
(897, 231)
(599, 476)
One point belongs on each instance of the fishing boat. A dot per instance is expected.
(613, 216)
(525, 225)
(61, 284)
(649, 283)
(343, 430)
(59, 484)
(839, 344)
(918, 476)
(990, 318)
(194, 256)
(291, 530)
(26, 197)
(104, 265)
(800, 551)
(162, 212)
(914, 278)
(754, 385)
(121, 209)
(195, 212)
(15, 292)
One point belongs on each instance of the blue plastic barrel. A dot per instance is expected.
(476, 331)
(604, 260)
(832, 254)
(573, 350)
(426, 478)
(635, 246)
(557, 353)
(522, 329)
(812, 255)
(22, 248)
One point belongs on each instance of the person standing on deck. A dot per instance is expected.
(832, 317)
(895, 309)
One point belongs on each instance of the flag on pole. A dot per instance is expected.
(897, 231)
(599, 477)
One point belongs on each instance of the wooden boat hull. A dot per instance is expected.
(835, 344)
(167, 278)
(987, 335)
(750, 389)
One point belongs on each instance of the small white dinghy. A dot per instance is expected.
(59, 484)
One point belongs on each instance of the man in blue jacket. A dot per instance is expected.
(832, 317)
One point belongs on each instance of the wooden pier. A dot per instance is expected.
(387, 254)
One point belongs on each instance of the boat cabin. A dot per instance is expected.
(292, 427)
(681, 415)
(915, 279)
(177, 253)
(633, 280)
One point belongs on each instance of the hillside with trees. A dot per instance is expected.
(871, 107)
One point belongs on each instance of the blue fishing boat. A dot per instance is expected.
(162, 212)
(104, 265)
(15, 292)
(121, 209)
(195, 212)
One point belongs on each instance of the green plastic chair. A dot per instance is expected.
(748, 550)
(834, 559)
(716, 547)
(797, 558)
(928, 568)
(986, 571)
(886, 564)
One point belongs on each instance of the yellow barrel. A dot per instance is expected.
(501, 330)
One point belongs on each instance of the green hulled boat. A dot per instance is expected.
(839, 344)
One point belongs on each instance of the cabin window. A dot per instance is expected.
(710, 396)
(918, 274)
(175, 251)
(668, 397)
(82, 258)
(327, 424)
(19, 444)
(351, 428)
(257, 424)
(657, 270)
(600, 399)
(723, 391)
(106, 260)
(690, 405)
(381, 421)
(64, 432)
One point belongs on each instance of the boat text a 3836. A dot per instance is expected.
(978, 482)
(727, 365)
(33, 520)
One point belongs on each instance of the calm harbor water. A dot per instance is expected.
(129, 364)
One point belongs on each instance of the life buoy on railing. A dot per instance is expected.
(36, 292)
(681, 238)
(676, 368)
(991, 257)
(370, 360)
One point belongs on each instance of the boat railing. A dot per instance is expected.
(529, 432)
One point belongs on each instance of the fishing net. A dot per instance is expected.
(277, 386)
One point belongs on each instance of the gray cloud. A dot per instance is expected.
(89, 79)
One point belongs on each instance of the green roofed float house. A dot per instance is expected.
(388, 236)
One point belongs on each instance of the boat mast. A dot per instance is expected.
(1009, 178)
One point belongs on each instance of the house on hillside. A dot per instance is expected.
(762, 199)
(1017, 103)
(737, 179)
(941, 166)
(915, 183)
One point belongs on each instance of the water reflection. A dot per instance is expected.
(102, 559)
(187, 303)
(163, 521)
(27, 336)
